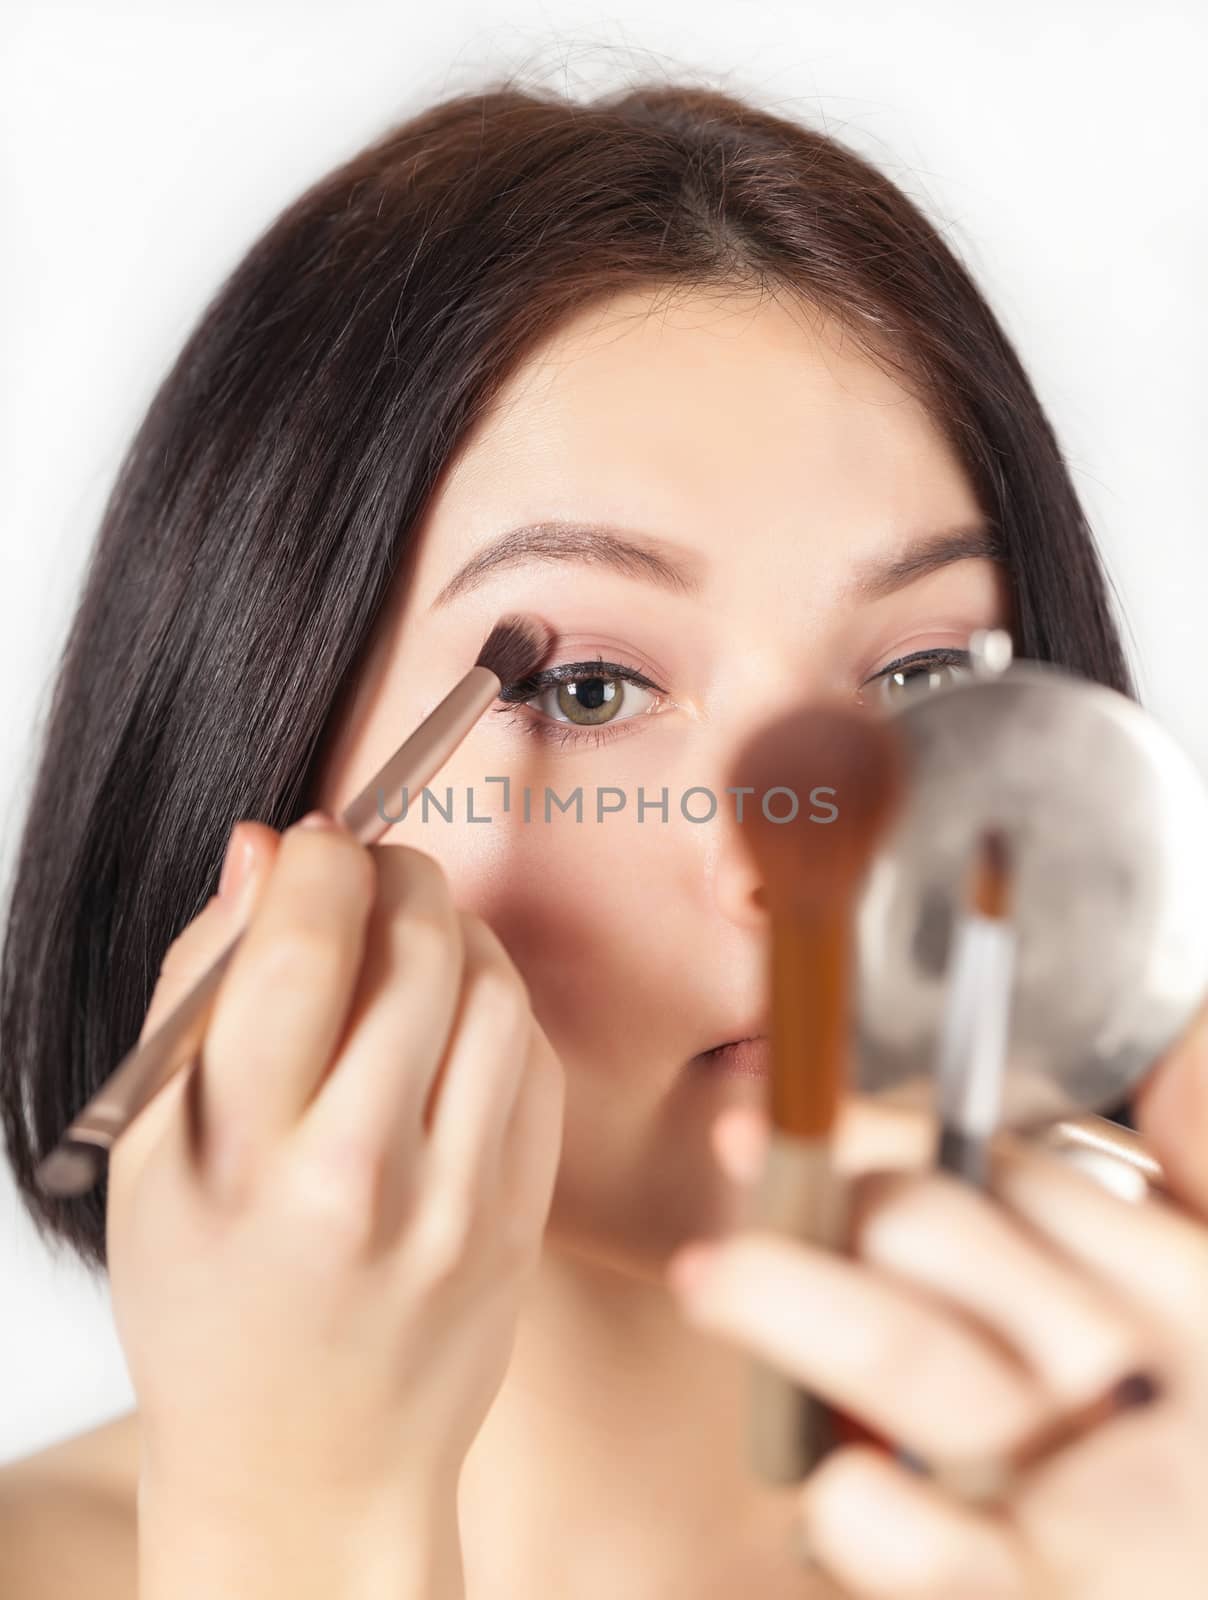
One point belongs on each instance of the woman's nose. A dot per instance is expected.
(737, 888)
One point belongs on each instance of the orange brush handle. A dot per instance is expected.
(810, 980)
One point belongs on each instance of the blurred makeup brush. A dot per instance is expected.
(973, 1034)
(970, 1071)
(972, 1052)
(514, 648)
(812, 874)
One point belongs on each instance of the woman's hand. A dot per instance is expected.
(966, 1324)
(318, 1238)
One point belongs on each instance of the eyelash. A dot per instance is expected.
(937, 656)
(516, 696)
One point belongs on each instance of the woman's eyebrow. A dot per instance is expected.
(680, 568)
(637, 555)
(967, 541)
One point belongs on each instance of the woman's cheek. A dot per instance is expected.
(601, 921)
(568, 906)
(598, 911)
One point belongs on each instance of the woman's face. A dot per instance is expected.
(725, 487)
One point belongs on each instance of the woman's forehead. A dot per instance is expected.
(731, 425)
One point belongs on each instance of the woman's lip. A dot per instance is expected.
(742, 1058)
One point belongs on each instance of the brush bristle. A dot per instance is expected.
(515, 648)
(861, 761)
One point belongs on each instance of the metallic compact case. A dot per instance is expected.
(1107, 821)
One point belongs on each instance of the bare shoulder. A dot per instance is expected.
(68, 1518)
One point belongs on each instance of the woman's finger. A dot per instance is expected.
(1133, 1484)
(1171, 1109)
(532, 1144)
(900, 1363)
(1149, 1253)
(950, 1239)
(363, 1121)
(284, 999)
(886, 1534)
(250, 853)
(476, 1087)
(1150, 1250)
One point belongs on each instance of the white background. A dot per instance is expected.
(1060, 143)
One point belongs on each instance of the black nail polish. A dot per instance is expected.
(1137, 1389)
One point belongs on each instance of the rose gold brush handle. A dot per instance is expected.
(74, 1164)
(422, 755)
(804, 1196)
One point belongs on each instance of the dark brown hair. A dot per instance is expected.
(268, 496)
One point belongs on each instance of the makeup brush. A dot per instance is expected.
(970, 1071)
(515, 647)
(812, 872)
(972, 1055)
(973, 1034)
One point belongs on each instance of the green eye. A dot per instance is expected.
(584, 694)
(574, 698)
(590, 701)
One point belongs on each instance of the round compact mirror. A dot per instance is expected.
(1106, 818)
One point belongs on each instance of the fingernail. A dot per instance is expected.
(1137, 1389)
(234, 863)
(690, 1267)
(316, 819)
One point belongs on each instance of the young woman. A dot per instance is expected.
(393, 1267)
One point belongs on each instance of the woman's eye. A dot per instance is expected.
(916, 674)
(588, 702)
(585, 694)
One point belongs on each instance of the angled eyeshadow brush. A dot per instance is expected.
(515, 648)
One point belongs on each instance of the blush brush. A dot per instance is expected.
(514, 649)
(812, 873)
